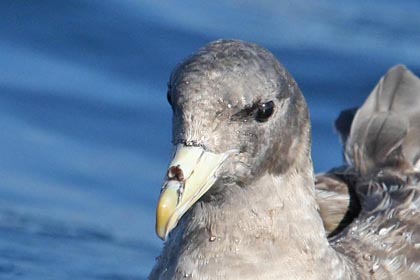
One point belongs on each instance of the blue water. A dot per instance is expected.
(85, 128)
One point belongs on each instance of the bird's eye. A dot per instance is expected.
(264, 111)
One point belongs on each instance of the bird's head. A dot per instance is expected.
(237, 114)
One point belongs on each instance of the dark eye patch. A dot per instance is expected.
(244, 113)
(261, 112)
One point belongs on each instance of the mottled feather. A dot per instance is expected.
(385, 132)
(383, 149)
(384, 136)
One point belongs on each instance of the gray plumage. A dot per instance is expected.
(386, 130)
(261, 219)
(385, 137)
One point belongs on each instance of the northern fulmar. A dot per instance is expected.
(239, 199)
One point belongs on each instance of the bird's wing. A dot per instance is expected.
(385, 131)
(383, 149)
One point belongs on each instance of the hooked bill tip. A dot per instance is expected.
(167, 204)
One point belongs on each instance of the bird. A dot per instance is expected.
(240, 199)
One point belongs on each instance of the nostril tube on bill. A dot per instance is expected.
(175, 173)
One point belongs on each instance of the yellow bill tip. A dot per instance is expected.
(167, 204)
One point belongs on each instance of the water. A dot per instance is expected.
(85, 128)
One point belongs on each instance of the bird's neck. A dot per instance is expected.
(271, 228)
